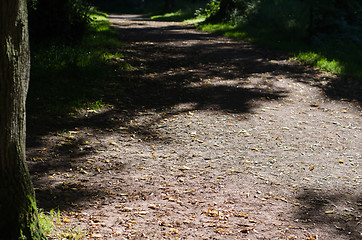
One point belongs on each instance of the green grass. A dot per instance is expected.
(178, 16)
(184, 12)
(55, 227)
(342, 59)
(69, 78)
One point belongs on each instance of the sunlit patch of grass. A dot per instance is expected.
(174, 16)
(178, 16)
(197, 20)
(94, 105)
(221, 28)
(55, 228)
(184, 12)
(316, 59)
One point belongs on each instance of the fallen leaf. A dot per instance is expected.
(311, 167)
(170, 198)
(96, 235)
(182, 168)
(67, 220)
(173, 230)
(247, 229)
(142, 212)
(126, 209)
(222, 231)
(212, 213)
(152, 206)
(329, 212)
(241, 215)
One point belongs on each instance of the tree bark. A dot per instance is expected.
(168, 6)
(18, 212)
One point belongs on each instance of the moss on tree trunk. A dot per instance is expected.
(18, 212)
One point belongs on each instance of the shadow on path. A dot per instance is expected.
(331, 211)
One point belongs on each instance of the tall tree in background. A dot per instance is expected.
(168, 6)
(18, 212)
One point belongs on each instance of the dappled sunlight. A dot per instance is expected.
(203, 135)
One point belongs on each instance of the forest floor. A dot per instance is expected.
(212, 139)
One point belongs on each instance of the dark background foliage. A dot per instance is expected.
(63, 20)
(312, 20)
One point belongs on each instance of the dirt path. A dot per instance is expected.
(215, 139)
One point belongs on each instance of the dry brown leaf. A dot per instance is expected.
(212, 213)
(152, 206)
(126, 209)
(170, 198)
(223, 231)
(246, 229)
(173, 230)
(142, 212)
(67, 220)
(96, 235)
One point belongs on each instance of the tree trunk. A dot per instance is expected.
(168, 6)
(18, 212)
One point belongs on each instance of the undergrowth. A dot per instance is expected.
(68, 78)
(342, 59)
(338, 57)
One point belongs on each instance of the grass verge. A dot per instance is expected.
(339, 58)
(68, 78)
(54, 226)
(185, 12)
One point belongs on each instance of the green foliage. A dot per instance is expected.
(66, 78)
(211, 9)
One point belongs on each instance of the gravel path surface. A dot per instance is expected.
(216, 139)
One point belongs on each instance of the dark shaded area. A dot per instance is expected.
(57, 20)
(129, 6)
(337, 212)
